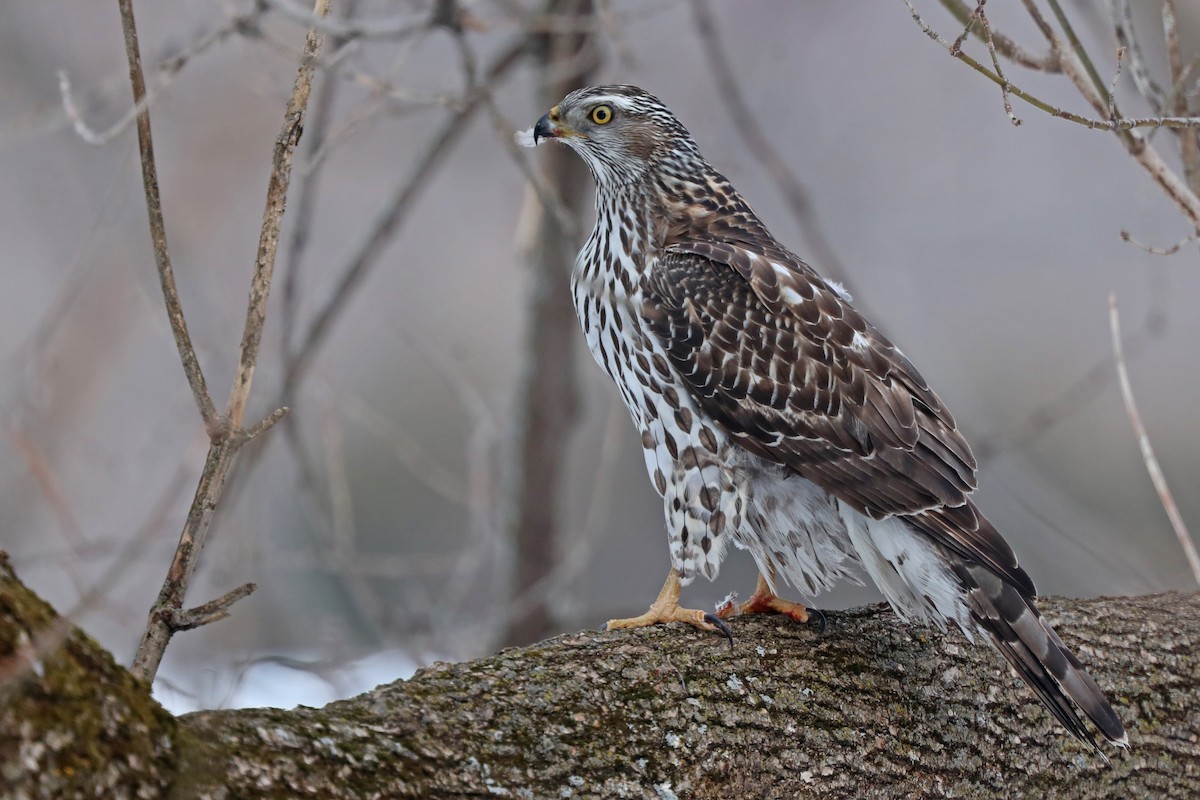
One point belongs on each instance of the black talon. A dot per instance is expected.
(820, 617)
(721, 625)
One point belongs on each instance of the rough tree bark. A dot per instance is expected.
(869, 708)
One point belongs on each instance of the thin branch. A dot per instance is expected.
(1138, 147)
(547, 397)
(1141, 150)
(1112, 87)
(158, 231)
(503, 127)
(365, 254)
(1180, 89)
(345, 28)
(956, 47)
(760, 147)
(212, 611)
(1043, 26)
(268, 242)
(1126, 236)
(306, 192)
(265, 424)
(1080, 53)
(1152, 467)
(166, 74)
(989, 36)
(1121, 124)
(1142, 79)
(166, 615)
(1189, 146)
(1064, 405)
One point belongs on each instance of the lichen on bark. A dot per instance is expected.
(869, 708)
(73, 723)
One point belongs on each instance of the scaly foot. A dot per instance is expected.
(665, 608)
(765, 601)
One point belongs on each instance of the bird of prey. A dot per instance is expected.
(774, 416)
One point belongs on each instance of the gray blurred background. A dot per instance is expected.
(377, 536)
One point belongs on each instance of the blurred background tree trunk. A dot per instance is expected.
(547, 401)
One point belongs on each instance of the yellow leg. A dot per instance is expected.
(764, 601)
(665, 608)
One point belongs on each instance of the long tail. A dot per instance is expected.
(1033, 648)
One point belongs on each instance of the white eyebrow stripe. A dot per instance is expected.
(622, 103)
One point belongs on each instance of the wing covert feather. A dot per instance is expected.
(791, 369)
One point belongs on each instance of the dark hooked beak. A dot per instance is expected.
(544, 129)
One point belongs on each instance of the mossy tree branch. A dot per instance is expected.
(870, 708)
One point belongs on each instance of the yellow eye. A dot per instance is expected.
(602, 115)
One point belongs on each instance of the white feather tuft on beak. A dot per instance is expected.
(525, 138)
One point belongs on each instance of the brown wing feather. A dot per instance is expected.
(783, 363)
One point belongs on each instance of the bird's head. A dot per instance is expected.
(622, 132)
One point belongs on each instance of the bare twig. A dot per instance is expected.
(341, 504)
(1078, 71)
(1081, 392)
(1004, 45)
(990, 38)
(1189, 143)
(956, 46)
(1141, 150)
(268, 242)
(365, 254)
(1142, 79)
(1152, 467)
(212, 611)
(166, 74)
(1053, 110)
(1126, 236)
(395, 28)
(158, 231)
(1112, 87)
(1079, 51)
(264, 424)
(167, 615)
(306, 191)
(1120, 124)
(761, 148)
(547, 397)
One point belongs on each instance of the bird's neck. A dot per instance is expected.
(639, 220)
(667, 204)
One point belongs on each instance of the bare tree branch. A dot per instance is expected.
(1152, 467)
(1078, 67)
(1121, 124)
(1189, 142)
(364, 255)
(760, 147)
(166, 615)
(546, 398)
(870, 708)
(394, 28)
(1078, 49)
(1004, 45)
(158, 231)
(1126, 236)
(1138, 69)
(306, 192)
(166, 74)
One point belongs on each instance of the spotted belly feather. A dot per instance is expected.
(714, 492)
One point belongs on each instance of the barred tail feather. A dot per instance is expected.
(1039, 656)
